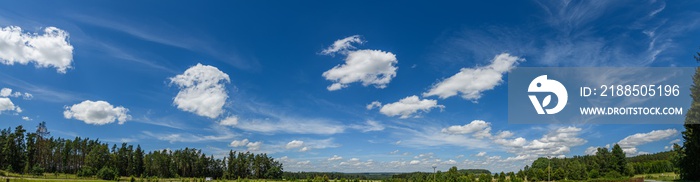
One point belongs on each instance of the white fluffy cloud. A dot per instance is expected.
(294, 144)
(7, 105)
(335, 158)
(370, 67)
(202, 90)
(96, 112)
(342, 45)
(479, 128)
(229, 121)
(239, 143)
(408, 106)
(252, 146)
(7, 92)
(504, 134)
(554, 143)
(481, 154)
(50, 49)
(375, 104)
(471, 82)
(629, 144)
(517, 142)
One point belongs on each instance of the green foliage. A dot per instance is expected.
(86, 172)
(107, 173)
(619, 161)
(604, 164)
(36, 170)
(37, 153)
(690, 153)
(593, 174)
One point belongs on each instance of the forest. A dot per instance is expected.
(605, 164)
(37, 153)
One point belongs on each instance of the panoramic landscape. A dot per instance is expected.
(498, 91)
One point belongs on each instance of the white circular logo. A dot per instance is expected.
(542, 84)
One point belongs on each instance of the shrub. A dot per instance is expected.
(107, 173)
(85, 172)
(613, 174)
(36, 170)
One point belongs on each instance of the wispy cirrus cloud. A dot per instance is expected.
(161, 32)
(576, 33)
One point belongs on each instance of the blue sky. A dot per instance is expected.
(358, 86)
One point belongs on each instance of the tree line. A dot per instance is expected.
(38, 153)
(455, 175)
(605, 164)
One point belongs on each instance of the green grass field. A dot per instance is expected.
(659, 176)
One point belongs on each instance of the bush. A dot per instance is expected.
(613, 174)
(85, 172)
(107, 173)
(36, 170)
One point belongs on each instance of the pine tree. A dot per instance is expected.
(691, 145)
(619, 159)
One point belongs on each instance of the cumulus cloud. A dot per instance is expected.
(97, 112)
(7, 105)
(26, 118)
(370, 67)
(591, 151)
(294, 144)
(408, 106)
(202, 90)
(50, 49)
(239, 143)
(629, 144)
(252, 146)
(479, 128)
(519, 158)
(554, 143)
(229, 121)
(517, 142)
(357, 163)
(449, 162)
(342, 45)
(335, 158)
(504, 134)
(471, 82)
(375, 104)
(481, 154)
(7, 92)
